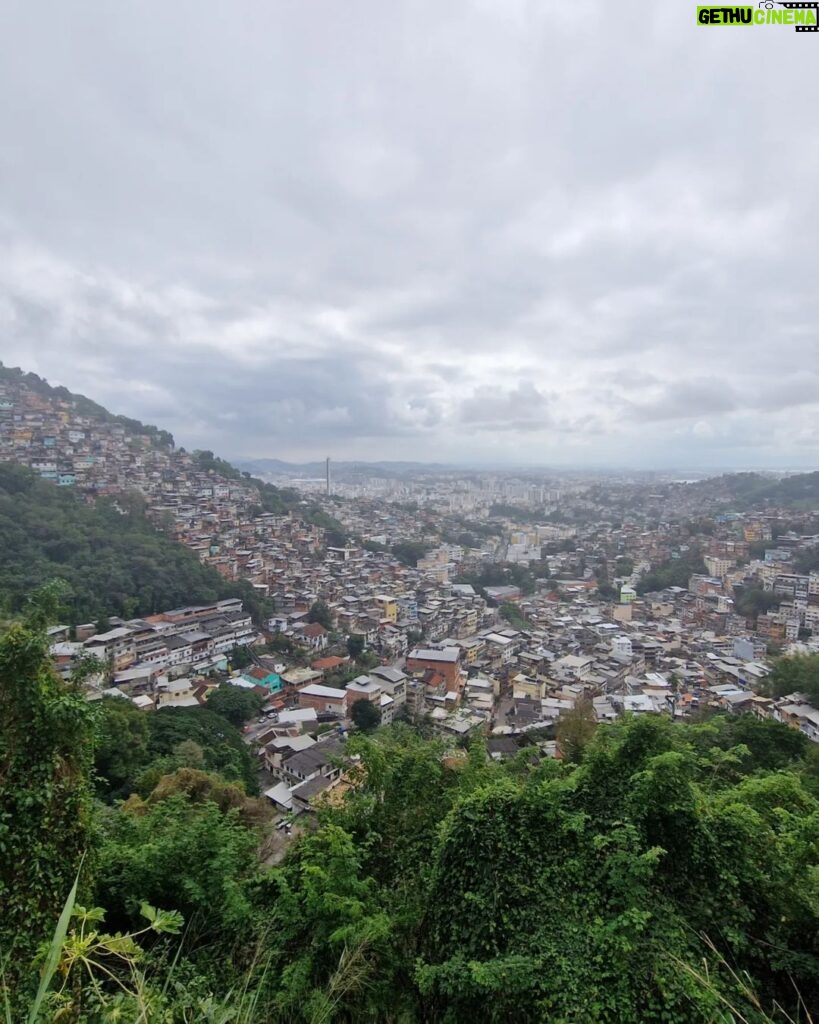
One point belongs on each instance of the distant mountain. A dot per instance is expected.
(277, 467)
(751, 490)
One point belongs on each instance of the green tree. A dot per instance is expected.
(281, 644)
(121, 751)
(355, 645)
(211, 463)
(796, 674)
(365, 715)
(240, 656)
(410, 551)
(771, 746)
(367, 660)
(575, 729)
(674, 572)
(750, 601)
(335, 539)
(501, 574)
(624, 566)
(112, 556)
(756, 548)
(394, 825)
(189, 754)
(237, 704)
(225, 751)
(46, 744)
(320, 613)
(374, 546)
(330, 945)
(513, 615)
(199, 786)
(632, 850)
(182, 853)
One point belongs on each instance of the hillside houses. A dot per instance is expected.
(665, 603)
(138, 651)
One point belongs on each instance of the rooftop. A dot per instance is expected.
(448, 654)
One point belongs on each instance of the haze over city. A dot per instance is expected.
(465, 232)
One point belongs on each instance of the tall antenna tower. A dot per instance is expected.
(328, 476)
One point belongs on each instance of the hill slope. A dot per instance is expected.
(116, 562)
(742, 491)
(106, 454)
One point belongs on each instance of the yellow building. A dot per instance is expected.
(528, 686)
(388, 607)
(473, 648)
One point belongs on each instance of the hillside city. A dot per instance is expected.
(409, 514)
(466, 602)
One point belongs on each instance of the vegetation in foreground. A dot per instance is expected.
(667, 874)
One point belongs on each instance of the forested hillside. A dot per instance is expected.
(676, 572)
(667, 874)
(114, 559)
(754, 490)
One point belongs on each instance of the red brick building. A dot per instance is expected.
(446, 661)
(323, 699)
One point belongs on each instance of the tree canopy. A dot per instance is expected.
(113, 558)
(237, 704)
(675, 572)
(355, 645)
(796, 674)
(320, 612)
(501, 574)
(180, 853)
(121, 752)
(134, 749)
(46, 731)
(365, 715)
(751, 600)
(225, 752)
(410, 551)
(513, 615)
(665, 873)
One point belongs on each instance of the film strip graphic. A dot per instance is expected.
(803, 7)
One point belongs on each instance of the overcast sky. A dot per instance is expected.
(577, 233)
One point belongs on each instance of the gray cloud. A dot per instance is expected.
(492, 228)
(687, 399)
(522, 408)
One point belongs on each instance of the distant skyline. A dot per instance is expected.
(487, 232)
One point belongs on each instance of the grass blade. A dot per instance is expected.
(54, 950)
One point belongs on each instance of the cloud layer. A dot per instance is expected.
(493, 230)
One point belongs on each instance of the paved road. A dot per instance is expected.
(254, 729)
